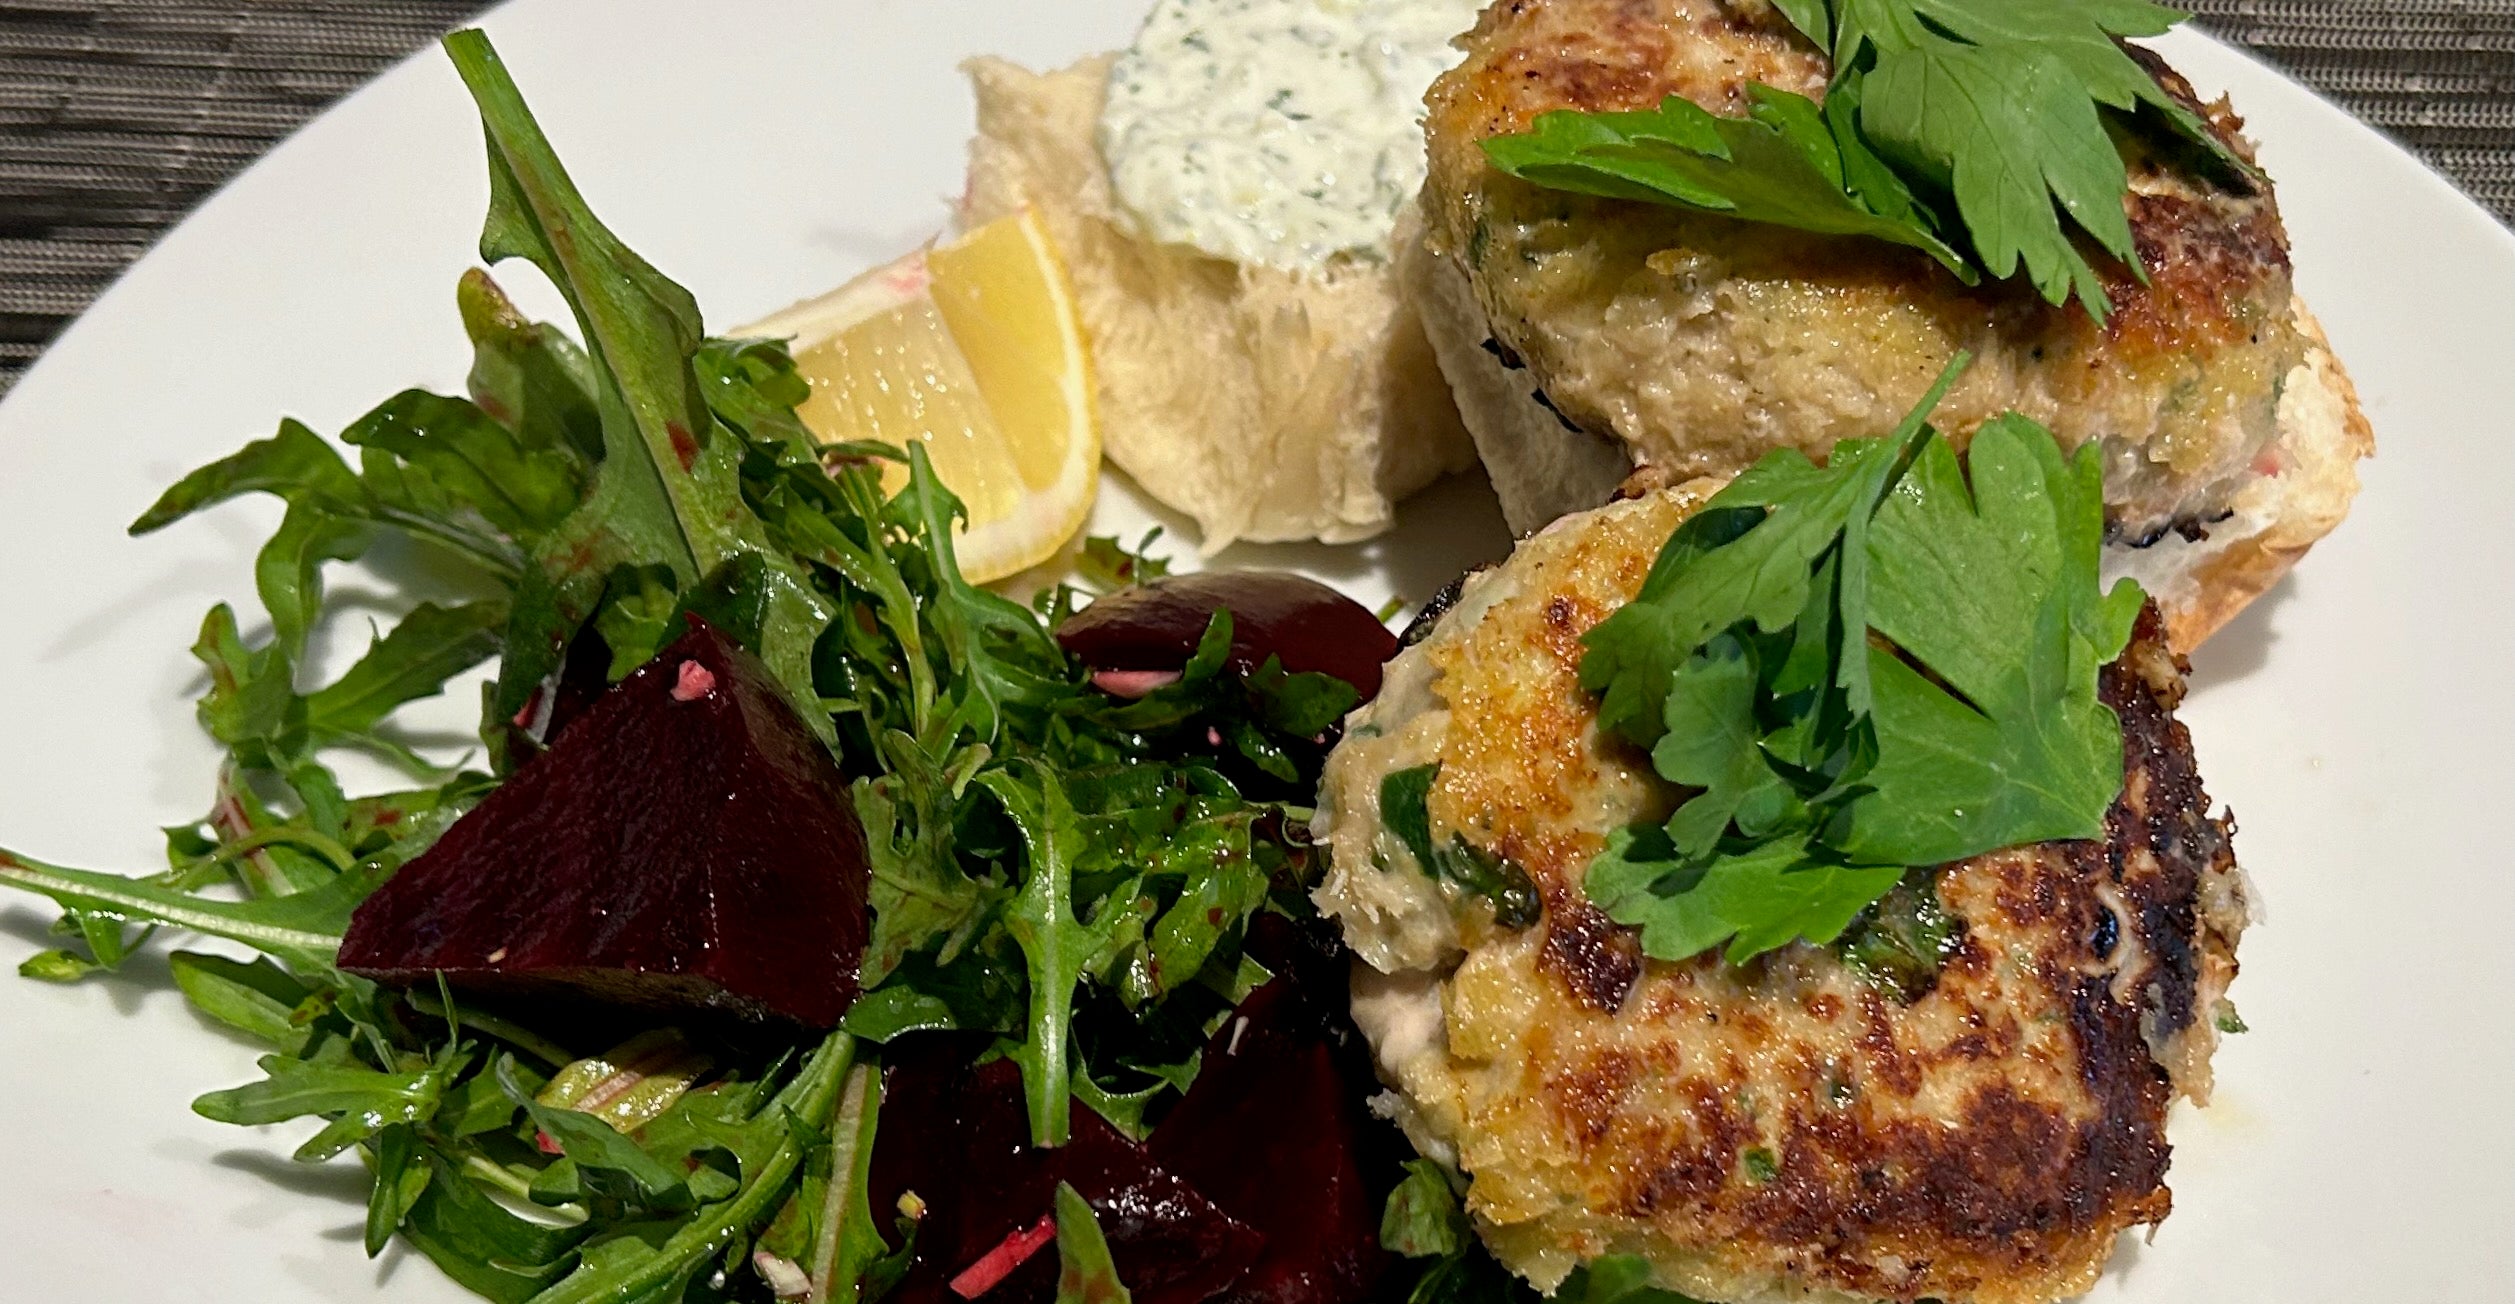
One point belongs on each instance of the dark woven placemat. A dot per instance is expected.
(116, 116)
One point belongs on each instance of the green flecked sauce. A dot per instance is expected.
(1285, 133)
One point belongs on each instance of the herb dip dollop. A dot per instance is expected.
(1279, 132)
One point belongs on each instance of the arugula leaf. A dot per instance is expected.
(365, 1099)
(430, 645)
(1054, 943)
(1006, 659)
(1422, 1218)
(58, 966)
(1123, 1110)
(1104, 877)
(1085, 1274)
(1109, 565)
(291, 464)
(288, 571)
(849, 1244)
(1221, 884)
(528, 376)
(608, 1164)
(301, 930)
(668, 489)
(252, 706)
(399, 1180)
(769, 1149)
(484, 1248)
(258, 999)
(521, 490)
(639, 329)
(918, 892)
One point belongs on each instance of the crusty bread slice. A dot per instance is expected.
(1265, 404)
(2309, 476)
(1543, 469)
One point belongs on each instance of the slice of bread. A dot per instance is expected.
(2301, 489)
(1265, 404)
(1543, 468)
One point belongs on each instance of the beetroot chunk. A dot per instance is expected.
(686, 846)
(959, 1138)
(1272, 1131)
(1309, 626)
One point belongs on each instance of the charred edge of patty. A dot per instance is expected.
(2221, 118)
(2018, 1187)
(2163, 812)
(1596, 959)
(1428, 617)
(2207, 260)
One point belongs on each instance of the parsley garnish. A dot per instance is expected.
(1886, 662)
(1404, 804)
(1786, 165)
(1949, 124)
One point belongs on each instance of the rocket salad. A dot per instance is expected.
(1069, 881)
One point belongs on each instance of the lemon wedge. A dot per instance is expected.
(972, 348)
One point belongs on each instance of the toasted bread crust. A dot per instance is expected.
(2323, 435)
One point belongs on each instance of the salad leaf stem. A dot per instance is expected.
(302, 930)
(848, 1241)
(505, 1030)
(774, 1148)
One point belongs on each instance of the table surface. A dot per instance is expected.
(116, 116)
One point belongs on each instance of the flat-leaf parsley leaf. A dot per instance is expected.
(1884, 663)
(1974, 130)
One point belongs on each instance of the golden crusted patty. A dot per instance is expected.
(1790, 1129)
(1703, 342)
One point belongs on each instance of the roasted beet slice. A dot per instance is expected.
(960, 1139)
(1155, 627)
(1273, 1131)
(687, 845)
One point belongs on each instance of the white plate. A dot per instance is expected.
(2360, 720)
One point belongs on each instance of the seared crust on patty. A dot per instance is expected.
(1790, 1129)
(1699, 343)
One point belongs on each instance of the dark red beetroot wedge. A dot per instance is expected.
(686, 846)
(1153, 628)
(1273, 1132)
(960, 1138)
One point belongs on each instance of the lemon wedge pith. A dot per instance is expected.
(974, 349)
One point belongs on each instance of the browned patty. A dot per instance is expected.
(1789, 1129)
(1703, 342)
